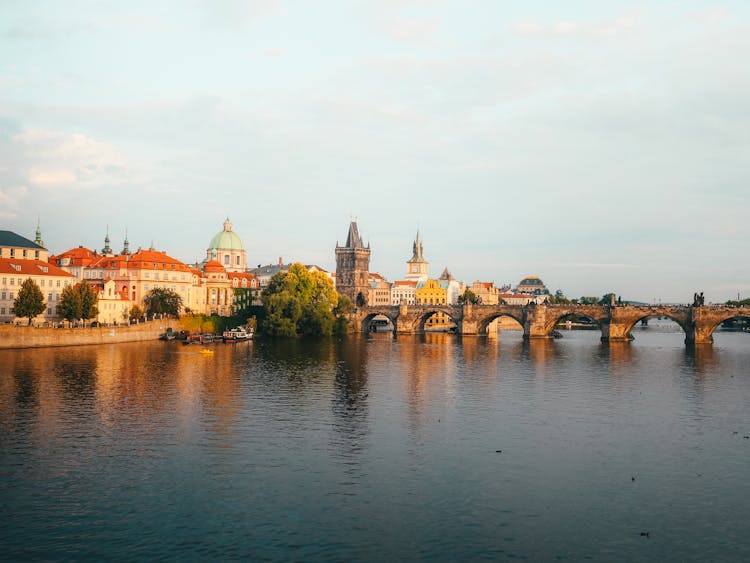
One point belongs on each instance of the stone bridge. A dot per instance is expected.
(538, 321)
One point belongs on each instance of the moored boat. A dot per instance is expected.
(237, 334)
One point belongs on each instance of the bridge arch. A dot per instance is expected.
(366, 322)
(426, 313)
(484, 323)
(595, 313)
(678, 320)
(706, 325)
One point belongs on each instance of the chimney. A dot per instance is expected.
(281, 262)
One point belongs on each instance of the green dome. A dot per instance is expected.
(226, 239)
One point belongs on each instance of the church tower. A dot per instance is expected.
(353, 267)
(417, 267)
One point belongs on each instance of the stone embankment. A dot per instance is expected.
(13, 336)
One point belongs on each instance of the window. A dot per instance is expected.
(3, 295)
(237, 260)
(12, 255)
(36, 254)
(146, 275)
(49, 297)
(10, 296)
(58, 283)
(49, 310)
(226, 259)
(5, 281)
(2, 310)
(24, 253)
(12, 281)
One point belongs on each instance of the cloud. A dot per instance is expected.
(413, 30)
(53, 159)
(605, 29)
(238, 13)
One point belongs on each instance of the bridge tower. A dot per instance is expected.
(353, 267)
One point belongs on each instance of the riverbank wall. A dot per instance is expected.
(14, 336)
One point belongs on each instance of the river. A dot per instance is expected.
(379, 448)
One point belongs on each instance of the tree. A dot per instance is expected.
(299, 302)
(89, 308)
(164, 301)
(135, 312)
(468, 296)
(341, 311)
(78, 303)
(30, 301)
(70, 304)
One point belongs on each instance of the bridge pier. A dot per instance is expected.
(536, 323)
(615, 328)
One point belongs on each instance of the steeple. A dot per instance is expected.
(417, 249)
(126, 244)
(353, 239)
(38, 238)
(227, 224)
(107, 250)
(417, 267)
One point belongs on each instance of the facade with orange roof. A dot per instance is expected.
(113, 304)
(403, 292)
(380, 291)
(21, 259)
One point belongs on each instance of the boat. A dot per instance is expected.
(237, 334)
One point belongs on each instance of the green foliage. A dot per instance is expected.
(589, 300)
(162, 300)
(468, 296)
(30, 301)
(78, 303)
(300, 302)
(741, 303)
(202, 323)
(89, 309)
(69, 307)
(135, 313)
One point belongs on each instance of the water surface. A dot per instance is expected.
(379, 448)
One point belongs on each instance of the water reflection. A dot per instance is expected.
(349, 401)
(359, 447)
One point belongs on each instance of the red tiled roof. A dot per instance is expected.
(31, 268)
(143, 259)
(405, 282)
(213, 266)
(80, 256)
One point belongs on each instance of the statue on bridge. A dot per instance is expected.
(698, 299)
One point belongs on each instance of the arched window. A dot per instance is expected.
(226, 259)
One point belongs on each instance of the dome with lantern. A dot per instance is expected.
(227, 249)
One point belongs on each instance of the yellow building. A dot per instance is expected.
(113, 305)
(434, 292)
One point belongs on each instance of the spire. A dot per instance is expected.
(446, 275)
(227, 224)
(353, 240)
(126, 245)
(106, 250)
(38, 238)
(417, 249)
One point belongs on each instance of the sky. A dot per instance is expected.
(602, 145)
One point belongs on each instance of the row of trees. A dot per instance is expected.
(295, 302)
(79, 302)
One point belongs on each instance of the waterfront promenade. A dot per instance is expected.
(24, 336)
